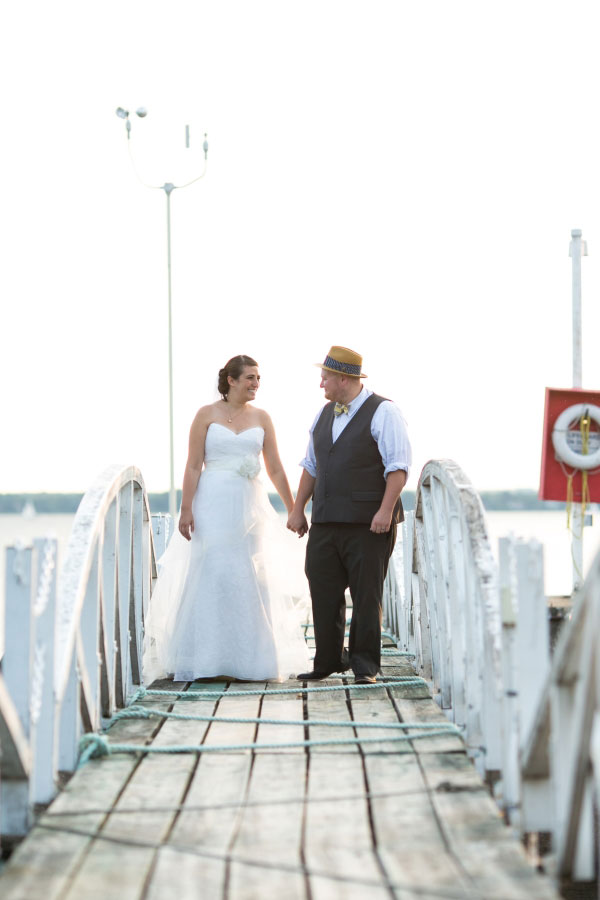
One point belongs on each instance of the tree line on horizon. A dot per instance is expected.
(493, 501)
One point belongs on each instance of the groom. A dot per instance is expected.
(355, 468)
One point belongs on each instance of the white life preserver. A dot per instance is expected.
(559, 437)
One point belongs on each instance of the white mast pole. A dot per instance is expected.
(577, 249)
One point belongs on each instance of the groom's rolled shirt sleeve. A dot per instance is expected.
(310, 460)
(388, 428)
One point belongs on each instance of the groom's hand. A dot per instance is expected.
(297, 522)
(381, 522)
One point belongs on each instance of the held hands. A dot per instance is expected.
(297, 522)
(186, 524)
(381, 522)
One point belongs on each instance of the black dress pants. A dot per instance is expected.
(338, 556)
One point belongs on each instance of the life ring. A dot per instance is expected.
(583, 461)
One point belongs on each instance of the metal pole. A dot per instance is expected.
(577, 249)
(168, 188)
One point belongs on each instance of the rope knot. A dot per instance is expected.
(139, 694)
(92, 746)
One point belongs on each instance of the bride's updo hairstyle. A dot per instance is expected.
(233, 369)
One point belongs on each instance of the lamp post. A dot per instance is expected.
(168, 188)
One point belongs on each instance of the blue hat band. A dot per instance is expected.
(346, 368)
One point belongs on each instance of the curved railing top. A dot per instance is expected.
(88, 529)
(451, 533)
(450, 474)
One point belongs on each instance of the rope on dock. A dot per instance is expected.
(143, 712)
(93, 746)
(398, 681)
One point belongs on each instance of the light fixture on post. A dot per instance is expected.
(168, 188)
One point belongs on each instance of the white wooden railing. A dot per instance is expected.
(479, 633)
(560, 752)
(72, 653)
(441, 600)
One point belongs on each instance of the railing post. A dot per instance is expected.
(17, 675)
(42, 708)
(533, 637)
(136, 609)
(124, 683)
(108, 643)
(510, 799)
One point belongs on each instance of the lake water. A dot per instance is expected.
(548, 527)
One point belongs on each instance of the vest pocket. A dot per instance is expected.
(370, 496)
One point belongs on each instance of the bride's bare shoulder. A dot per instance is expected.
(206, 415)
(264, 418)
(211, 410)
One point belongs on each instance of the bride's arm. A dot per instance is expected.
(273, 464)
(192, 472)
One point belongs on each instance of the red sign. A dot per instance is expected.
(555, 471)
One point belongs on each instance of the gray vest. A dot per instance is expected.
(350, 484)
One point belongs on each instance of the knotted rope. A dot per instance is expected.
(93, 746)
(398, 681)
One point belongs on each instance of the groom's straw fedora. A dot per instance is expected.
(343, 361)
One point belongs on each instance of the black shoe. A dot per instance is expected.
(365, 679)
(313, 676)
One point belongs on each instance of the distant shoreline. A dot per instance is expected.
(493, 501)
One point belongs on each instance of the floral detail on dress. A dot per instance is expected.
(249, 467)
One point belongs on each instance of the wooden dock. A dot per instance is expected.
(380, 819)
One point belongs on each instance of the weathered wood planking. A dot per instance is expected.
(332, 706)
(270, 832)
(338, 843)
(282, 707)
(390, 820)
(428, 712)
(196, 853)
(45, 863)
(160, 781)
(409, 841)
(193, 861)
(376, 706)
(493, 860)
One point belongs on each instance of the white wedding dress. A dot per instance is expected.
(230, 601)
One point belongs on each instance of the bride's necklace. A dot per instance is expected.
(230, 418)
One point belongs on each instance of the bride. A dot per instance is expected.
(223, 604)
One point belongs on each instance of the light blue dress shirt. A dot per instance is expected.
(388, 428)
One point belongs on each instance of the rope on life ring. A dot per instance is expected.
(585, 413)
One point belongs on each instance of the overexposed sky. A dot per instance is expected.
(397, 177)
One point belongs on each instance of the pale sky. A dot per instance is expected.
(400, 178)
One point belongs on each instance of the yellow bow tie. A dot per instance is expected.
(340, 408)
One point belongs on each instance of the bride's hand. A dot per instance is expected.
(186, 524)
(297, 522)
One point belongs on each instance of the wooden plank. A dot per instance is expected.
(332, 706)
(409, 840)
(281, 708)
(428, 711)
(271, 831)
(159, 781)
(44, 863)
(194, 861)
(234, 733)
(194, 858)
(376, 706)
(337, 839)
(493, 859)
